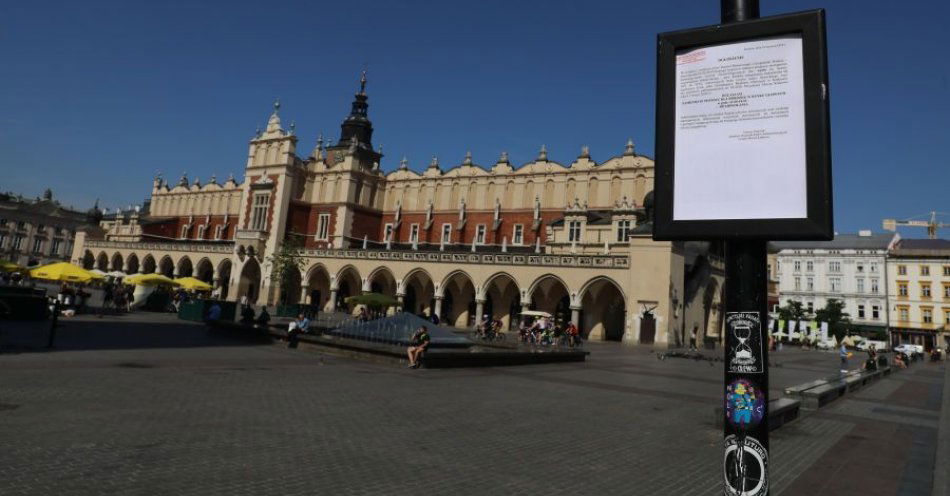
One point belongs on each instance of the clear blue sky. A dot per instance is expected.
(98, 96)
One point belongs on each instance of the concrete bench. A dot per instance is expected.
(817, 397)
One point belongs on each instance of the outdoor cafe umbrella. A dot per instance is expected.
(63, 271)
(99, 273)
(116, 274)
(193, 284)
(149, 280)
(8, 266)
(373, 300)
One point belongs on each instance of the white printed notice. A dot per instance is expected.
(740, 131)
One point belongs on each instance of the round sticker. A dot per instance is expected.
(745, 467)
(745, 404)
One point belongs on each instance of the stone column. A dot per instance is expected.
(576, 316)
(331, 303)
(479, 308)
(399, 302)
(438, 307)
(304, 291)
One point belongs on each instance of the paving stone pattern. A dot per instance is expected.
(145, 404)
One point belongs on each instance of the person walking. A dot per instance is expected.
(843, 354)
(692, 338)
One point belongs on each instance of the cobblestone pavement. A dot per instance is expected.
(145, 404)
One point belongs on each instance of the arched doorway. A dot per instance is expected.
(550, 294)
(604, 307)
(349, 283)
(419, 297)
(166, 267)
(290, 287)
(382, 281)
(132, 264)
(185, 268)
(204, 271)
(102, 262)
(117, 262)
(224, 277)
(318, 282)
(250, 282)
(502, 299)
(458, 304)
(148, 264)
(88, 261)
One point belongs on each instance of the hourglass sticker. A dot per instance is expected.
(746, 354)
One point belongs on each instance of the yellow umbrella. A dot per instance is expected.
(63, 271)
(149, 280)
(193, 284)
(8, 266)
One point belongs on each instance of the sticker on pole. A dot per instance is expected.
(745, 467)
(745, 357)
(745, 404)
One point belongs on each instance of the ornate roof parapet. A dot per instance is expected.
(183, 181)
(404, 163)
(318, 150)
(468, 159)
(214, 179)
(585, 152)
(231, 180)
(542, 154)
(434, 164)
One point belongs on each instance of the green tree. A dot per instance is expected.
(833, 313)
(792, 311)
(286, 264)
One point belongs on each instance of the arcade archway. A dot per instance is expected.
(604, 310)
(502, 299)
(250, 282)
(458, 300)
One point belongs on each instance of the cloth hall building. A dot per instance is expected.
(460, 241)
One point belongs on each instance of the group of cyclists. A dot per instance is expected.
(540, 331)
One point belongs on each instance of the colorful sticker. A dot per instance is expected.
(745, 404)
(745, 467)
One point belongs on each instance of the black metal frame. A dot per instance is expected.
(818, 225)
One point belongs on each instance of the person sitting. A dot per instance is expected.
(362, 316)
(418, 345)
(300, 325)
(484, 327)
(263, 319)
(900, 360)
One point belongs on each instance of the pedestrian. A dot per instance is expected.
(843, 354)
(692, 338)
(244, 300)
(213, 315)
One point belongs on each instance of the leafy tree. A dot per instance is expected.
(792, 311)
(286, 264)
(833, 313)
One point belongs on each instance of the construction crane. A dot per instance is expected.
(931, 224)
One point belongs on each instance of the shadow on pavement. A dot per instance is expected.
(112, 332)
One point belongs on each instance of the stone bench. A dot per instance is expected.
(819, 396)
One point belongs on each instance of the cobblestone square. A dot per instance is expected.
(147, 404)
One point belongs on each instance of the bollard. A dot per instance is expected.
(53, 324)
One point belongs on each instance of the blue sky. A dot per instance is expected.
(99, 96)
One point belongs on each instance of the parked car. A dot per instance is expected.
(878, 345)
(909, 348)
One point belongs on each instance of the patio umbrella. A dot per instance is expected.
(8, 266)
(376, 300)
(149, 280)
(193, 284)
(63, 271)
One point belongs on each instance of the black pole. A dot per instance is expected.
(53, 324)
(746, 371)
